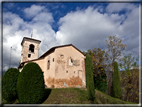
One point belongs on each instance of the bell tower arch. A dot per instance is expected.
(30, 49)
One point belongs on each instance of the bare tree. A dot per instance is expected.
(114, 46)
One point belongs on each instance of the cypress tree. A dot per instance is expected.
(116, 88)
(89, 78)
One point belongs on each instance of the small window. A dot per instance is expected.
(29, 55)
(53, 59)
(70, 62)
(48, 64)
(31, 48)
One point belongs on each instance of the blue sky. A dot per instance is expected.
(85, 25)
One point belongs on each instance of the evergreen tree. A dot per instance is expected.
(9, 83)
(89, 78)
(116, 88)
(100, 81)
(97, 79)
(30, 84)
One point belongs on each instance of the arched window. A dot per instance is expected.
(31, 48)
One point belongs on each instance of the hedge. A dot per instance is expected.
(9, 83)
(30, 84)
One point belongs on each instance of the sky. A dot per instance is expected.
(85, 25)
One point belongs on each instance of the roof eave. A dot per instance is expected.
(29, 39)
(28, 61)
(53, 48)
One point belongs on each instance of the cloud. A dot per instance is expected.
(87, 28)
(130, 29)
(12, 23)
(34, 10)
(10, 5)
(15, 28)
(43, 17)
(118, 7)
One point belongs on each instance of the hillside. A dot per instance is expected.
(77, 96)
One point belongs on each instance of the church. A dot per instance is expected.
(62, 66)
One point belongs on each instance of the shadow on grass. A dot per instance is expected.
(92, 102)
(47, 92)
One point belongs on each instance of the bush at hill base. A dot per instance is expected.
(100, 81)
(30, 84)
(9, 83)
(116, 88)
(89, 78)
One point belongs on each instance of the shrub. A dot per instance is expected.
(116, 88)
(97, 79)
(30, 84)
(9, 83)
(100, 81)
(89, 78)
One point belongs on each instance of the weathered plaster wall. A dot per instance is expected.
(49, 73)
(39, 62)
(66, 75)
(61, 74)
(25, 51)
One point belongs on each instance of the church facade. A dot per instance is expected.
(62, 66)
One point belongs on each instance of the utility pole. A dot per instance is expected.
(10, 57)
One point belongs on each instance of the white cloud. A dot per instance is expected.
(83, 28)
(130, 29)
(43, 17)
(87, 28)
(117, 7)
(12, 23)
(15, 28)
(33, 10)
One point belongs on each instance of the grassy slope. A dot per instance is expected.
(79, 96)
(76, 96)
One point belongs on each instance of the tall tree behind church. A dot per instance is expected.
(114, 49)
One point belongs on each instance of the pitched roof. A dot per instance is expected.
(53, 48)
(29, 39)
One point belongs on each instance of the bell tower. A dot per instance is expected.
(30, 49)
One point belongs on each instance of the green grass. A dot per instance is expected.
(77, 96)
